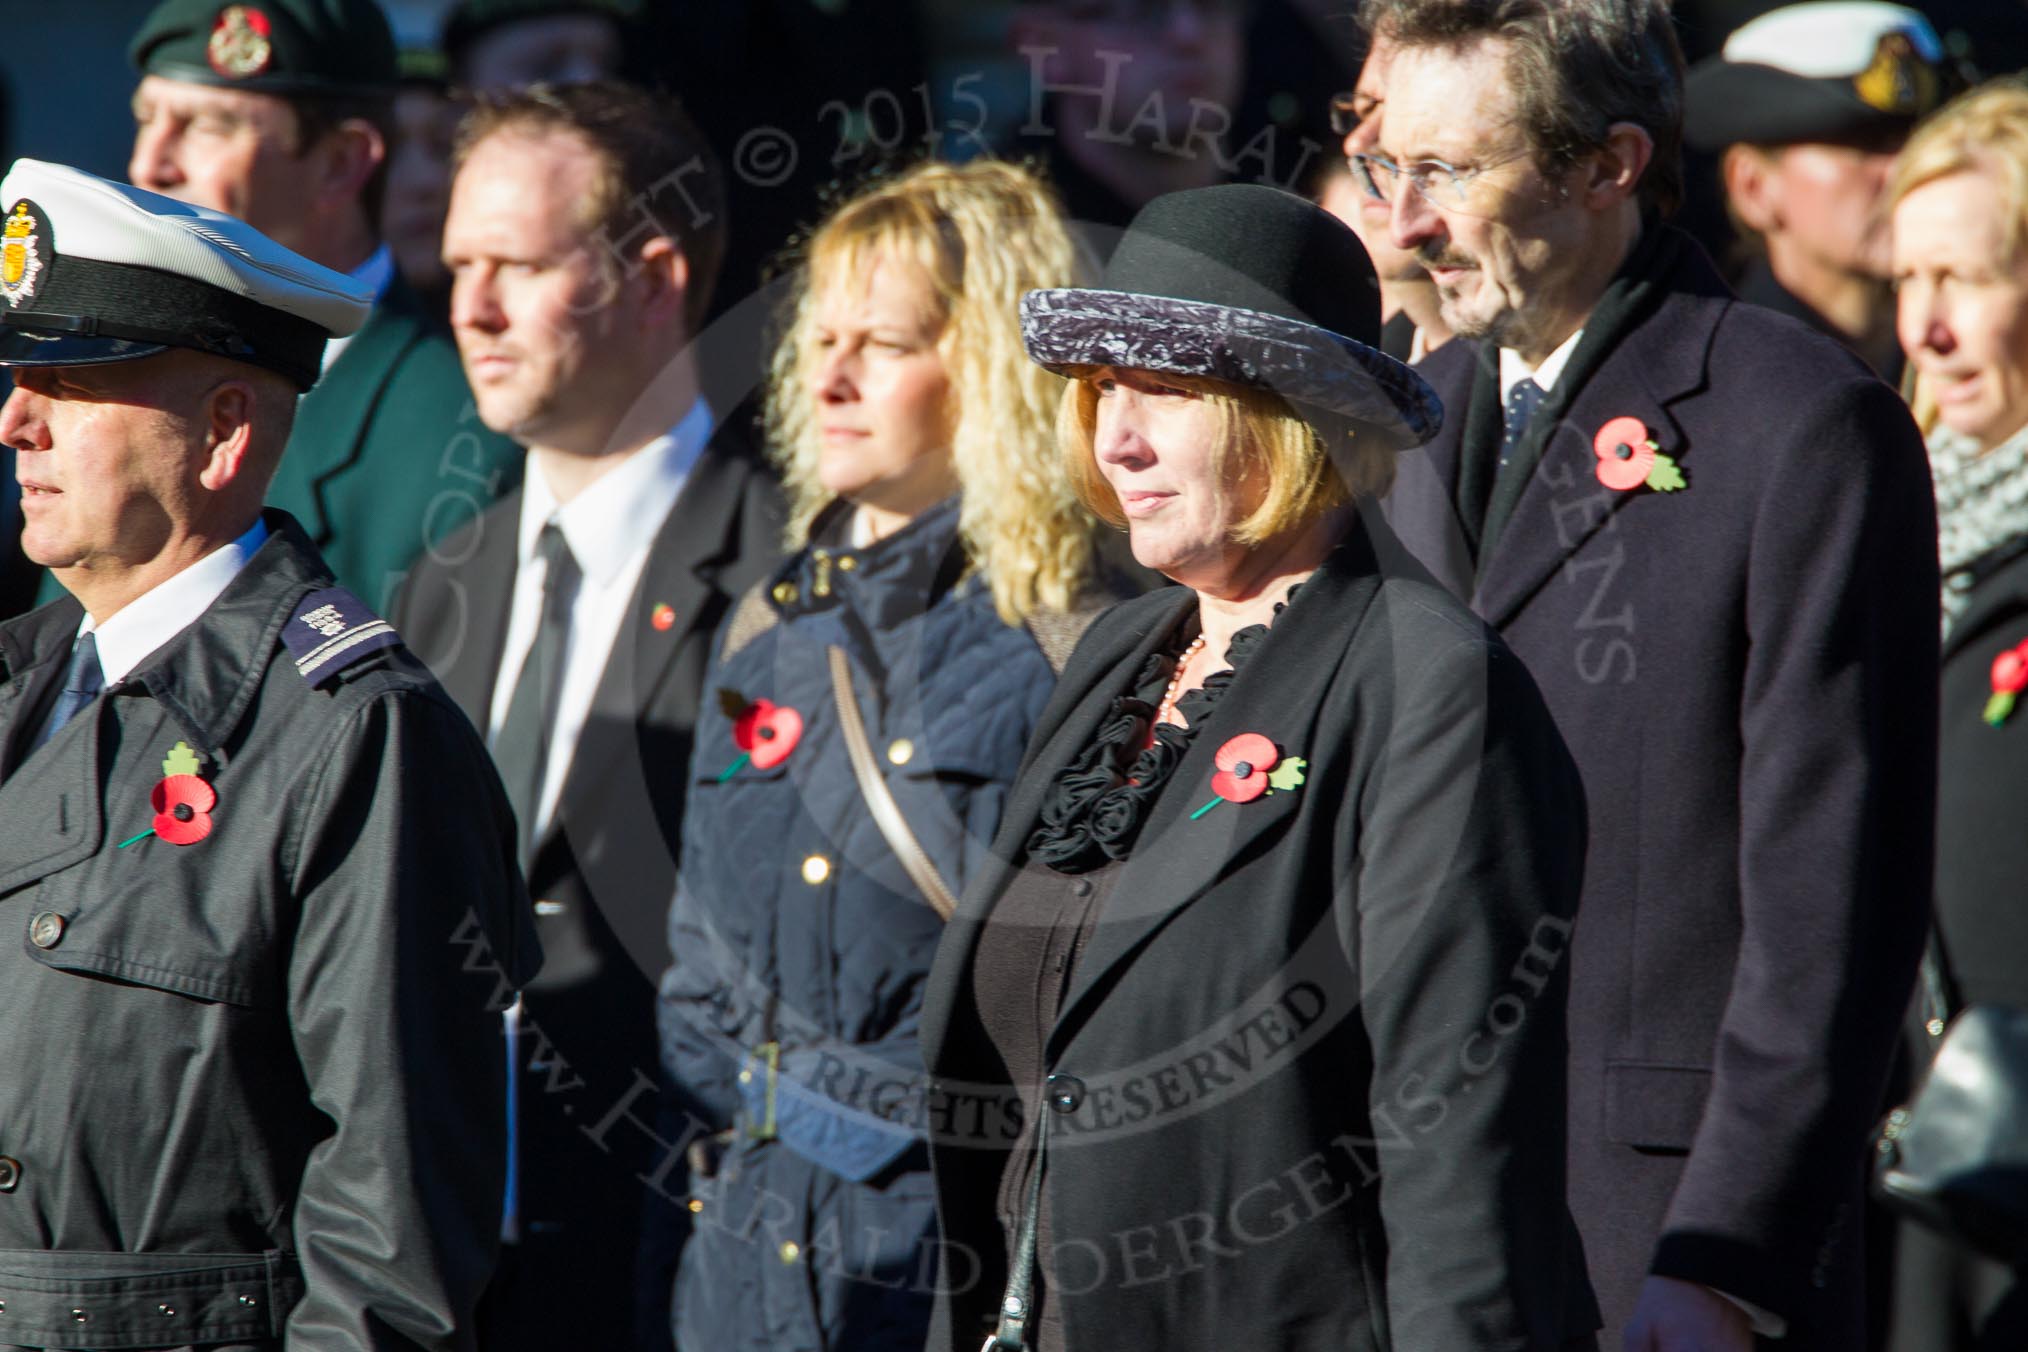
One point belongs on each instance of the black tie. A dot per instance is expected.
(522, 749)
(81, 685)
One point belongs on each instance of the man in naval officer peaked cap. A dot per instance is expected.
(257, 881)
(1807, 105)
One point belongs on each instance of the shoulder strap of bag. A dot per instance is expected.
(886, 812)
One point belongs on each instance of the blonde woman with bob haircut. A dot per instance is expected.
(1282, 839)
(1959, 198)
(873, 699)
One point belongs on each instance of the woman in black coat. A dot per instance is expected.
(1251, 1036)
(1960, 202)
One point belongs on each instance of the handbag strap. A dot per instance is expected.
(886, 812)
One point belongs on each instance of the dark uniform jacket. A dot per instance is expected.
(602, 874)
(796, 925)
(253, 1087)
(1745, 671)
(1306, 1081)
(388, 455)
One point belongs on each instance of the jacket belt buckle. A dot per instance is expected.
(769, 1055)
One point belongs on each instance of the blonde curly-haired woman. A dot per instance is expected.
(873, 698)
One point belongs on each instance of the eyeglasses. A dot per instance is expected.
(1436, 182)
(1348, 109)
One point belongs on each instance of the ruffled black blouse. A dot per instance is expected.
(1094, 811)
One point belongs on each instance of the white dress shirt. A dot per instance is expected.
(376, 274)
(610, 528)
(168, 608)
(1513, 369)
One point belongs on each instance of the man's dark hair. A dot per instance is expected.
(1576, 66)
(318, 115)
(657, 175)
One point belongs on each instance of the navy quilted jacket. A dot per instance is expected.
(801, 946)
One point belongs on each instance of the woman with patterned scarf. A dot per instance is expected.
(1960, 201)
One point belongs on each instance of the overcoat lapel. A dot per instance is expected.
(1563, 504)
(471, 669)
(51, 802)
(332, 420)
(2002, 591)
(1277, 694)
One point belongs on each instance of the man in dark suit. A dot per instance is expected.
(1708, 531)
(279, 112)
(573, 621)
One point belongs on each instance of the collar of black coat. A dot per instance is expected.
(206, 677)
(889, 582)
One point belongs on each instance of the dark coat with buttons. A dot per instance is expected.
(795, 924)
(252, 1093)
(1306, 1082)
(1745, 670)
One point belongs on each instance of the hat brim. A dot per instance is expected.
(1730, 103)
(26, 347)
(1069, 330)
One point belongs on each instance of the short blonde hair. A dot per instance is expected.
(980, 234)
(1984, 131)
(1310, 462)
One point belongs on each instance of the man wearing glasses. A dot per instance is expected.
(1412, 319)
(1707, 531)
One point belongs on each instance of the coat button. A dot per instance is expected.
(1081, 888)
(46, 930)
(10, 1173)
(816, 869)
(901, 751)
(846, 563)
(791, 1251)
(785, 593)
(1066, 1092)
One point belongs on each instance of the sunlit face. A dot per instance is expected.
(419, 184)
(1503, 255)
(228, 149)
(538, 317)
(1369, 216)
(554, 49)
(1827, 203)
(1158, 445)
(1962, 304)
(108, 459)
(878, 389)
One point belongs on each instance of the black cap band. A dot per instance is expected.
(84, 298)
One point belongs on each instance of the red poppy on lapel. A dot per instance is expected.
(663, 617)
(182, 801)
(1630, 458)
(1250, 765)
(765, 732)
(2010, 677)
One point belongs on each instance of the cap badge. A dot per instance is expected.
(1898, 81)
(20, 252)
(239, 45)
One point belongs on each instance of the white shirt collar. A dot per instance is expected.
(1513, 370)
(168, 608)
(611, 521)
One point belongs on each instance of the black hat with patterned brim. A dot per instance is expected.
(1245, 284)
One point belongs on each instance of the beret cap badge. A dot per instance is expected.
(1898, 80)
(21, 252)
(239, 47)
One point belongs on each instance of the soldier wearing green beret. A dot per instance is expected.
(278, 112)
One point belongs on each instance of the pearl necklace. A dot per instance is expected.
(1167, 708)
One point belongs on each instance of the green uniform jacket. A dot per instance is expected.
(253, 1094)
(388, 454)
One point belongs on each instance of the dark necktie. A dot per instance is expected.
(81, 685)
(521, 751)
(1515, 413)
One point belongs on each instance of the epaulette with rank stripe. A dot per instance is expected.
(331, 630)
